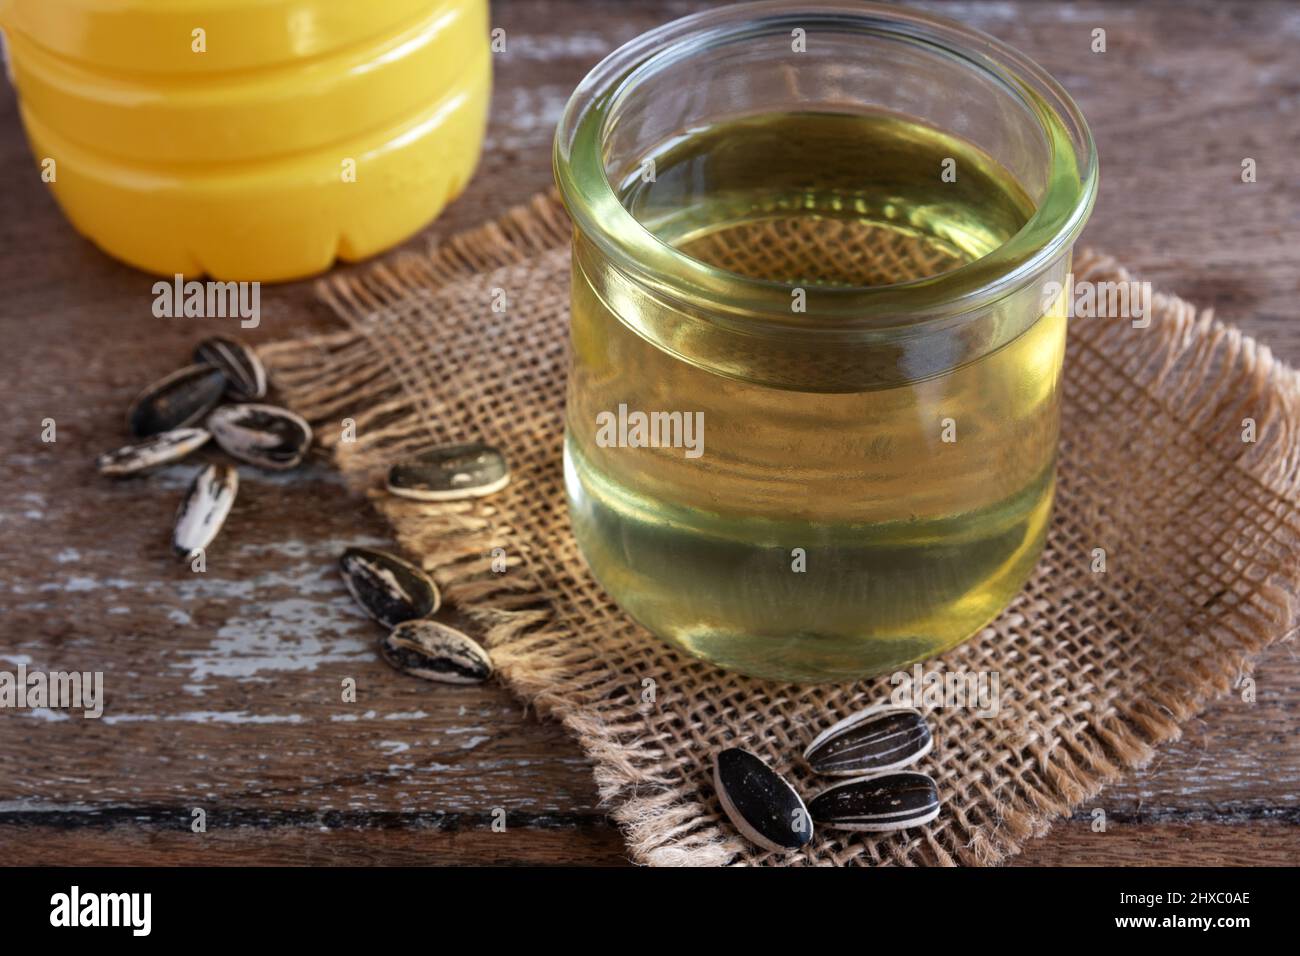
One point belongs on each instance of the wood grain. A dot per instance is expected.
(224, 689)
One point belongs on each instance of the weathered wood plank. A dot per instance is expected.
(584, 843)
(1195, 844)
(1072, 843)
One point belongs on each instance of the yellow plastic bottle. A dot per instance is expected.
(250, 139)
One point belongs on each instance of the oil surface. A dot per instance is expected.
(817, 536)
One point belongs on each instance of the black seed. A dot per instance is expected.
(450, 472)
(204, 508)
(154, 451)
(436, 652)
(245, 376)
(178, 400)
(891, 801)
(388, 589)
(874, 740)
(263, 435)
(760, 802)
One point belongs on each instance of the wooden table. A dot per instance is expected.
(224, 689)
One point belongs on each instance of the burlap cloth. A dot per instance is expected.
(1096, 669)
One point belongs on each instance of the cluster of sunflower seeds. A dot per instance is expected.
(870, 748)
(178, 414)
(401, 596)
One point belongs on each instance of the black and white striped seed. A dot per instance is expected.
(160, 449)
(267, 436)
(177, 401)
(450, 472)
(760, 802)
(387, 588)
(878, 803)
(434, 651)
(245, 374)
(876, 740)
(203, 510)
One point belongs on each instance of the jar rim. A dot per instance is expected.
(594, 205)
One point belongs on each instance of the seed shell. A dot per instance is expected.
(760, 802)
(245, 374)
(156, 450)
(878, 803)
(204, 508)
(450, 472)
(388, 589)
(177, 401)
(876, 740)
(264, 435)
(435, 651)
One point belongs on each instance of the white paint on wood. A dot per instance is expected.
(294, 634)
(205, 717)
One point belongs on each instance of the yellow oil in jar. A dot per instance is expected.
(817, 535)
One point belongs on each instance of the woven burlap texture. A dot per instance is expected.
(1199, 529)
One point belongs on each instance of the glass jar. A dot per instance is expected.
(813, 403)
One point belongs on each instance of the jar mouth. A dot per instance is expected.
(593, 202)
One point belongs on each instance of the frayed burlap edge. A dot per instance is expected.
(1205, 375)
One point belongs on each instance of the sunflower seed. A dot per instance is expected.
(152, 452)
(388, 589)
(436, 652)
(874, 740)
(179, 400)
(891, 801)
(760, 802)
(262, 435)
(450, 472)
(204, 508)
(245, 375)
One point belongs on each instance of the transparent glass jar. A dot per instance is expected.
(813, 402)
